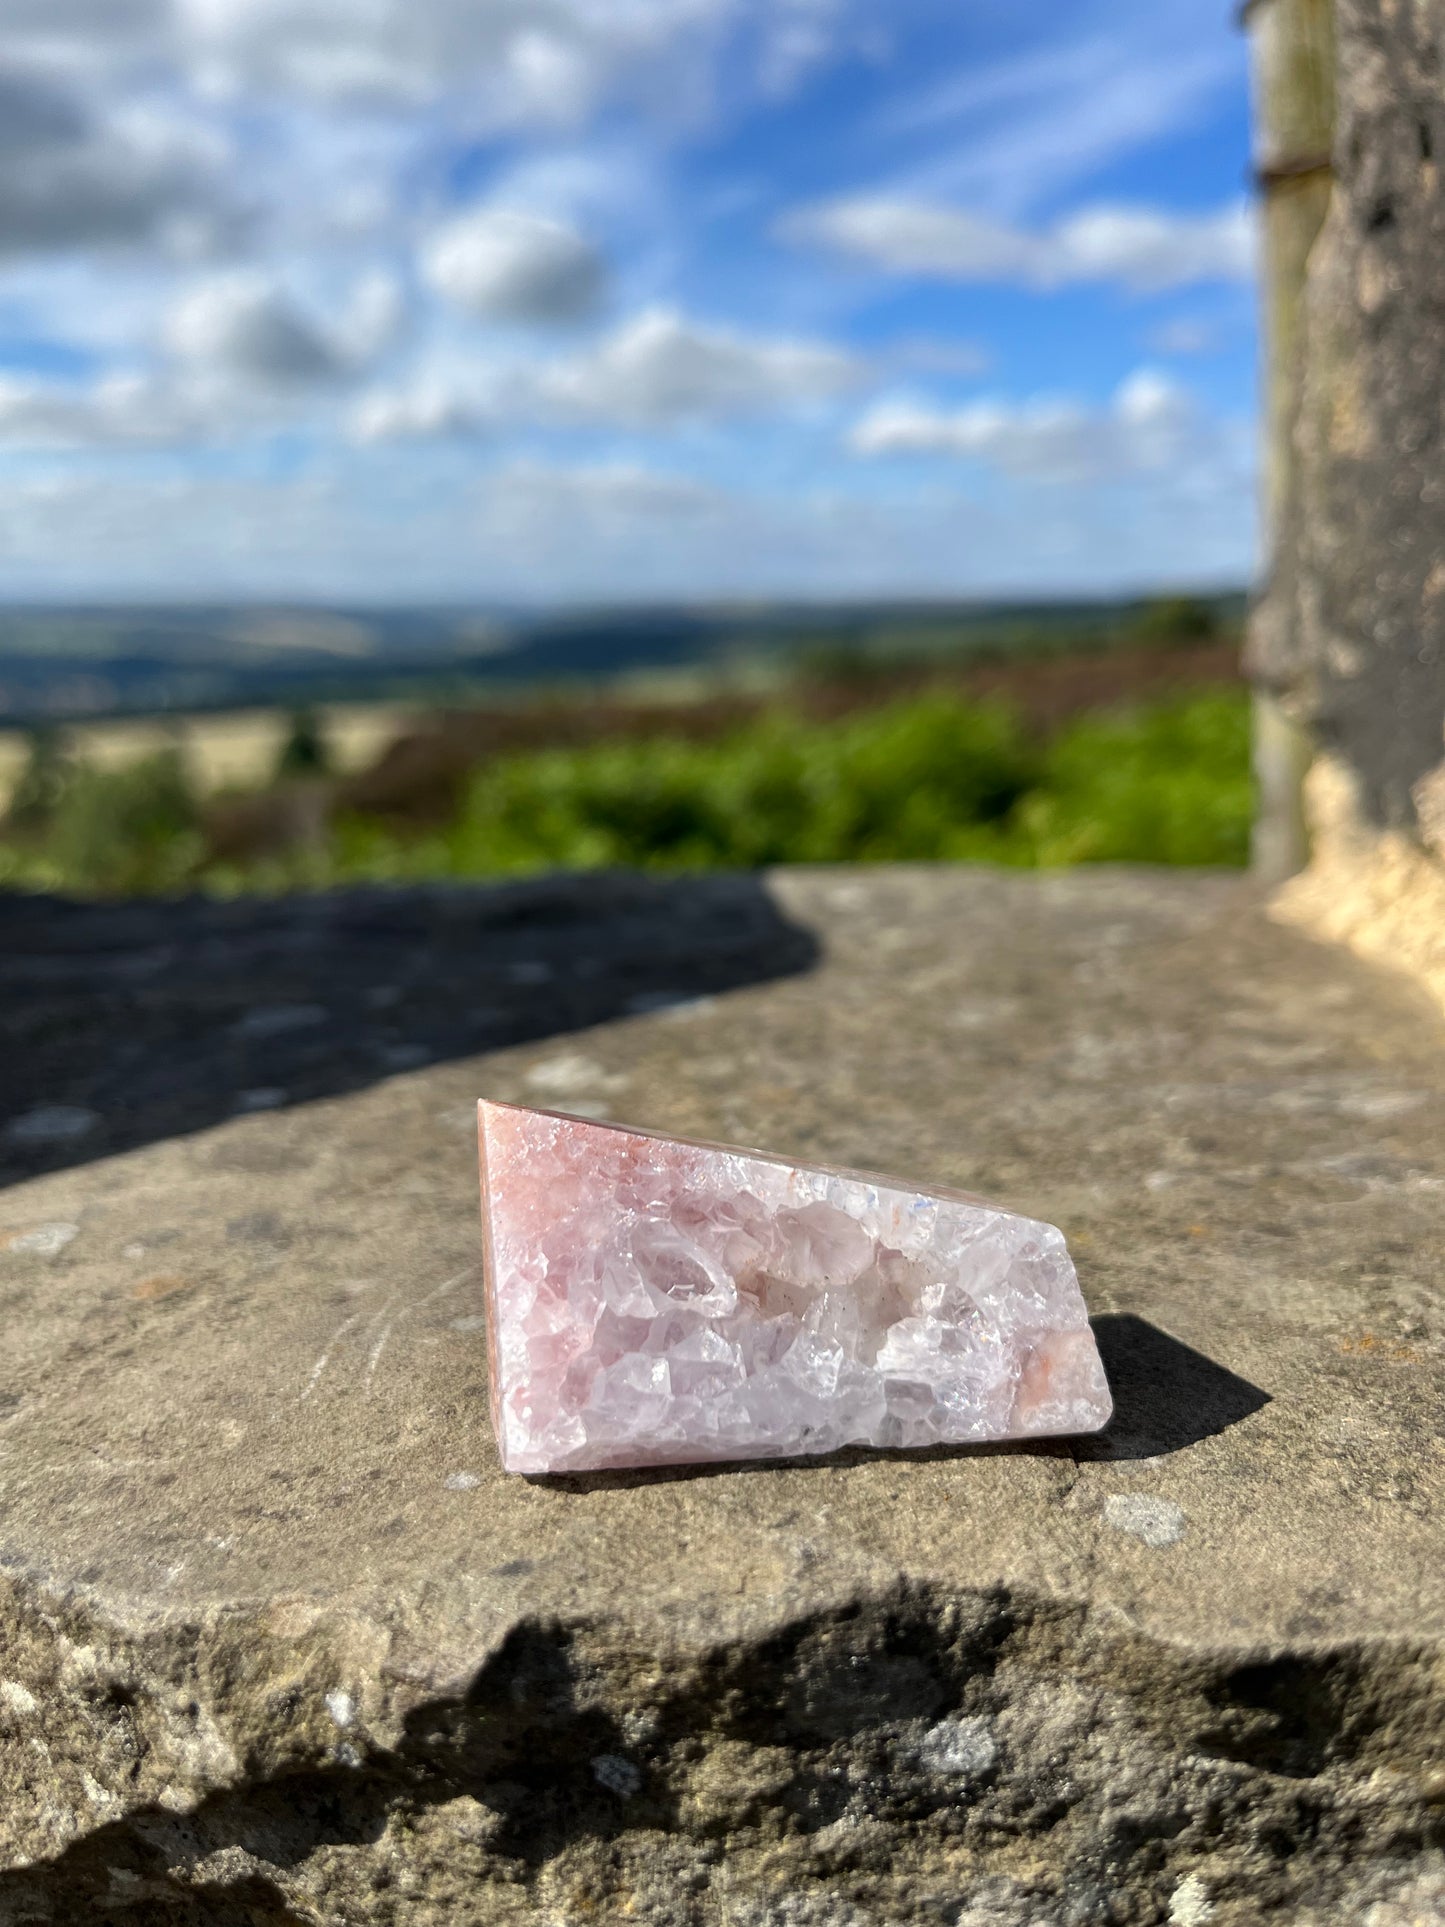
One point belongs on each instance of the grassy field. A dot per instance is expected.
(235, 750)
(830, 774)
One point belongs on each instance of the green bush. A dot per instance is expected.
(125, 830)
(928, 779)
(897, 783)
(305, 752)
(1177, 621)
(1166, 784)
(48, 773)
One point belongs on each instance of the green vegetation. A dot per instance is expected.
(304, 752)
(926, 778)
(1177, 621)
(126, 832)
(48, 774)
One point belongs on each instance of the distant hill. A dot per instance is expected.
(59, 664)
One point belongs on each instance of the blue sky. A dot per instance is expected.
(554, 300)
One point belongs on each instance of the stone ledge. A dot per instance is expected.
(278, 1642)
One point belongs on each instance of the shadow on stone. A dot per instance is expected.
(1166, 1394)
(576, 1752)
(125, 1023)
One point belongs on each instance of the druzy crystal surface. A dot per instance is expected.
(657, 1302)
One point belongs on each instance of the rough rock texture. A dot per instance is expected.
(1382, 892)
(656, 1301)
(279, 1643)
(1362, 546)
(1371, 434)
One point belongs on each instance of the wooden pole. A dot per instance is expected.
(1293, 45)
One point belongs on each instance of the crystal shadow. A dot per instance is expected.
(1166, 1395)
(125, 1023)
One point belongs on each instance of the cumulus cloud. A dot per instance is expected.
(498, 64)
(1145, 249)
(508, 264)
(1151, 426)
(373, 317)
(116, 411)
(658, 371)
(427, 410)
(76, 175)
(551, 56)
(661, 368)
(242, 327)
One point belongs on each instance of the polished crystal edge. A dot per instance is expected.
(658, 1301)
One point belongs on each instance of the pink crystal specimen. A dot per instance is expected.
(656, 1302)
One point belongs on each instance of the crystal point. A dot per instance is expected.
(653, 1301)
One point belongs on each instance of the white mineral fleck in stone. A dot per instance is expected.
(43, 1240)
(341, 1706)
(1190, 1905)
(18, 1698)
(560, 1076)
(959, 1748)
(463, 1482)
(658, 1302)
(1154, 1522)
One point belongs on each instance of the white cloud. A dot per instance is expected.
(239, 357)
(242, 327)
(1150, 427)
(658, 371)
(497, 64)
(77, 174)
(313, 148)
(119, 410)
(661, 368)
(1145, 249)
(551, 56)
(372, 318)
(508, 264)
(907, 237)
(1108, 78)
(368, 526)
(427, 410)
(1149, 250)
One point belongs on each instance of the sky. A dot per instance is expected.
(557, 301)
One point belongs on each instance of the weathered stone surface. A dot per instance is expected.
(278, 1642)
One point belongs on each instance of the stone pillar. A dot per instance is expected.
(1349, 642)
(1294, 83)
